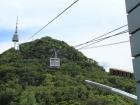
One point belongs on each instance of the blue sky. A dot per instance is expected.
(5, 35)
(84, 21)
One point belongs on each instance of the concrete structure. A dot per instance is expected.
(133, 10)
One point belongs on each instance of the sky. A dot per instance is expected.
(84, 21)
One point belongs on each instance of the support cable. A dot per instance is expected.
(53, 19)
(101, 39)
(110, 44)
(101, 36)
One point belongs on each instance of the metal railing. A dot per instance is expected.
(112, 90)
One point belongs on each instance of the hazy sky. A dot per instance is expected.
(84, 21)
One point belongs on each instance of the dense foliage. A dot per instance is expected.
(26, 79)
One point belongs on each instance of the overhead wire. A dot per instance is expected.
(101, 36)
(95, 40)
(101, 39)
(110, 44)
(53, 19)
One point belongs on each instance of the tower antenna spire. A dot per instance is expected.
(15, 38)
(16, 26)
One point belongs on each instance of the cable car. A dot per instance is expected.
(55, 62)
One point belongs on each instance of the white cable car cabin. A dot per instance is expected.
(55, 62)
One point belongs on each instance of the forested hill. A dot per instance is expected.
(27, 79)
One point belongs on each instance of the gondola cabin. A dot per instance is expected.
(55, 63)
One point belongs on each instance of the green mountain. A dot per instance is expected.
(27, 79)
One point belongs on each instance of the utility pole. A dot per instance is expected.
(133, 11)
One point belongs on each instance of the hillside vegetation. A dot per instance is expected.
(26, 79)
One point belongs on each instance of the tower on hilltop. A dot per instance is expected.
(15, 38)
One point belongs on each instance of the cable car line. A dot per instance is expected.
(53, 19)
(101, 35)
(101, 39)
(110, 44)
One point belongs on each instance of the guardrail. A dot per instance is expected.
(112, 90)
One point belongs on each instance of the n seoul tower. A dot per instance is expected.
(15, 38)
